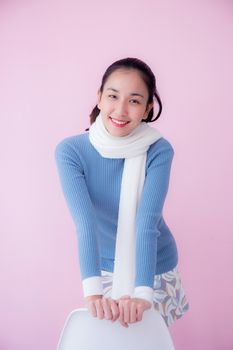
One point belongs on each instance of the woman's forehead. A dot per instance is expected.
(126, 79)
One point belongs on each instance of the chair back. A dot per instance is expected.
(85, 332)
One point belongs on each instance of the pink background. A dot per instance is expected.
(53, 56)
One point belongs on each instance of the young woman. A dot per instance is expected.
(115, 177)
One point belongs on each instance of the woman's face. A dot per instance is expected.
(123, 102)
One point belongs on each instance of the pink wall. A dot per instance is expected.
(53, 55)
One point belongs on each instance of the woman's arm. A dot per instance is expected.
(148, 215)
(72, 179)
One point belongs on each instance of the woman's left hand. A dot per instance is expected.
(131, 309)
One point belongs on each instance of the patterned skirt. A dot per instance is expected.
(169, 297)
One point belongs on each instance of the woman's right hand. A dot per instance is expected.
(103, 308)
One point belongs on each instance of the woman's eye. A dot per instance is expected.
(114, 97)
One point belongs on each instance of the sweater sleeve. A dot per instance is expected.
(73, 184)
(148, 215)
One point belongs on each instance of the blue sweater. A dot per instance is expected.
(91, 186)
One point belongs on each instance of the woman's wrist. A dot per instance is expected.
(93, 297)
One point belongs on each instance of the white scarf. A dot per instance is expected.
(133, 147)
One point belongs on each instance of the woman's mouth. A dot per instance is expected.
(118, 123)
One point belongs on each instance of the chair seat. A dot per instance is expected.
(84, 332)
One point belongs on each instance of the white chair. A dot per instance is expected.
(85, 332)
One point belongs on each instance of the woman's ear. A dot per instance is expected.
(98, 98)
(148, 109)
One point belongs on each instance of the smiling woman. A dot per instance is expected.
(142, 86)
(115, 179)
(124, 111)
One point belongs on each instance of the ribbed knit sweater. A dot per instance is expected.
(91, 186)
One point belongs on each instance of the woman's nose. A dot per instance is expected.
(122, 109)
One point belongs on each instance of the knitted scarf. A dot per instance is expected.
(133, 148)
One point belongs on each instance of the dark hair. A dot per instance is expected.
(147, 76)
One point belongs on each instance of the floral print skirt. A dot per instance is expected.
(169, 297)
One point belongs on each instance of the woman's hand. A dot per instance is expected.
(103, 308)
(131, 309)
(128, 310)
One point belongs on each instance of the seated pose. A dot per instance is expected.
(115, 178)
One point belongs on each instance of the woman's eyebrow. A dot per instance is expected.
(132, 94)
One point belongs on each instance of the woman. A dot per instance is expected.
(115, 178)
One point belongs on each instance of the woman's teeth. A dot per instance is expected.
(119, 122)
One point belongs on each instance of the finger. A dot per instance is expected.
(92, 308)
(140, 310)
(115, 310)
(121, 311)
(121, 316)
(124, 324)
(126, 310)
(99, 309)
(107, 309)
(133, 312)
